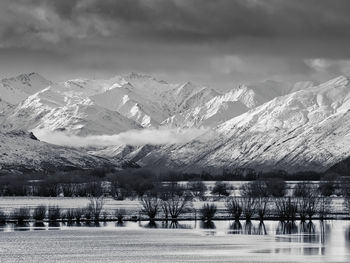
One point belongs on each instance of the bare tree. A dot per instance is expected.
(262, 208)
(234, 207)
(95, 206)
(286, 208)
(248, 207)
(208, 211)
(150, 206)
(176, 205)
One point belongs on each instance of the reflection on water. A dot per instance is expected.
(292, 238)
(261, 229)
(120, 224)
(286, 228)
(21, 227)
(39, 226)
(150, 224)
(235, 227)
(207, 225)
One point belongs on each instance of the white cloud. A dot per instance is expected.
(132, 137)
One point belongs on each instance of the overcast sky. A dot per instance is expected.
(218, 43)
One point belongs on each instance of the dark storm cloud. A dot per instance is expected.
(220, 19)
(189, 20)
(205, 40)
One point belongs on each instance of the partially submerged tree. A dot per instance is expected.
(234, 207)
(176, 205)
(150, 206)
(39, 213)
(208, 211)
(95, 207)
(261, 207)
(248, 207)
(286, 208)
(21, 214)
(54, 213)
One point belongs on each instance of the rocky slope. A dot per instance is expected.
(21, 152)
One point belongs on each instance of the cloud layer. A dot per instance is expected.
(132, 137)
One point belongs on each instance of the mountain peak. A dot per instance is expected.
(341, 80)
(26, 77)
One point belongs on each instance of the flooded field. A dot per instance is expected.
(185, 241)
(8, 204)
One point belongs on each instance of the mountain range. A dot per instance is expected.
(264, 126)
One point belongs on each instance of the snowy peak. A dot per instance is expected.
(339, 81)
(14, 90)
(53, 110)
(226, 106)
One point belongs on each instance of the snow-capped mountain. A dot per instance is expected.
(53, 110)
(267, 125)
(86, 107)
(233, 103)
(17, 89)
(149, 101)
(14, 90)
(21, 152)
(306, 130)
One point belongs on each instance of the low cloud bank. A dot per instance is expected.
(133, 137)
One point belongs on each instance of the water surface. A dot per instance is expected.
(184, 241)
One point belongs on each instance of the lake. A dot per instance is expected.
(185, 241)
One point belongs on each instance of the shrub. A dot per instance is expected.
(70, 215)
(92, 189)
(324, 207)
(3, 217)
(69, 190)
(234, 207)
(208, 211)
(254, 189)
(303, 190)
(198, 189)
(21, 214)
(14, 188)
(78, 214)
(276, 187)
(150, 206)
(95, 207)
(345, 187)
(39, 213)
(88, 213)
(47, 188)
(54, 213)
(220, 189)
(327, 186)
(119, 214)
(105, 215)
